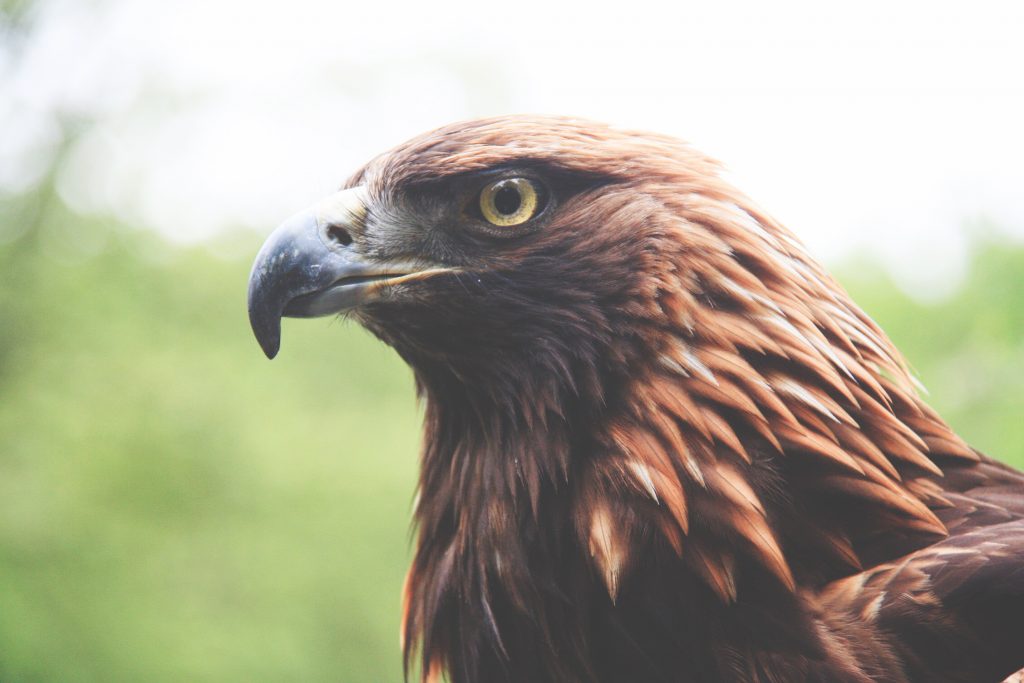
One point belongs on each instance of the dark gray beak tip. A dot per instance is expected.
(266, 323)
(268, 336)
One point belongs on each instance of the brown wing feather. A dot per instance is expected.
(951, 612)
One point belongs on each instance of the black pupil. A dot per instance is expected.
(507, 200)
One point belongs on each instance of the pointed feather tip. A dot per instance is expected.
(607, 549)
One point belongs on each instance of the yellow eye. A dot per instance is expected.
(509, 202)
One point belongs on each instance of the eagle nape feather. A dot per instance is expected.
(661, 442)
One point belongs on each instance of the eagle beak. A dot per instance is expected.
(302, 268)
(310, 266)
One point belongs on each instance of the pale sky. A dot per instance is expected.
(881, 126)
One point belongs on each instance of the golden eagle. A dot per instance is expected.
(661, 442)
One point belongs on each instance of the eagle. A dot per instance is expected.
(661, 443)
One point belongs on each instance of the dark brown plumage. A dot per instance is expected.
(661, 443)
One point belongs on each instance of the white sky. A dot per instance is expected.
(873, 125)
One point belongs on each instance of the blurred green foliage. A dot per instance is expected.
(175, 508)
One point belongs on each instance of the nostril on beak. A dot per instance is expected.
(339, 235)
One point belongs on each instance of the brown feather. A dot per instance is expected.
(661, 443)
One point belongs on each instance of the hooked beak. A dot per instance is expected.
(310, 267)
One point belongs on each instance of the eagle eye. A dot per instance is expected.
(510, 202)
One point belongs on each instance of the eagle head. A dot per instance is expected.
(493, 252)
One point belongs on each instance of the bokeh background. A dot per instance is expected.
(173, 507)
